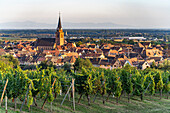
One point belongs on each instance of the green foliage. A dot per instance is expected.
(118, 88)
(138, 81)
(67, 67)
(159, 81)
(81, 63)
(127, 82)
(84, 82)
(165, 65)
(13, 60)
(153, 65)
(100, 83)
(45, 64)
(152, 85)
(5, 64)
(79, 43)
(88, 81)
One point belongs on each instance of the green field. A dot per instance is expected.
(148, 105)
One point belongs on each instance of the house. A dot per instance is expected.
(116, 64)
(70, 59)
(40, 59)
(2, 52)
(95, 61)
(117, 48)
(139, 45)
(105, 51)
(57, 61)
(92, 46)
(104, 63)
(143, 65)
(113, 52)
(149, 52)
(138, 50)
(150, 61)
(125, 61)
(70, 45)
(147, 44)
(157, 59)
(93, 55)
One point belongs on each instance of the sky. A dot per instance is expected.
(143, 13)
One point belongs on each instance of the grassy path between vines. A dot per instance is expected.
(148, 105)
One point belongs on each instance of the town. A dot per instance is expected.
(136, 51)
(88, 56)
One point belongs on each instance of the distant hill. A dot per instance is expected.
(66, 25)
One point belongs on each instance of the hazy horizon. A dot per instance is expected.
(141, 14)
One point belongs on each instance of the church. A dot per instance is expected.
(51, 43)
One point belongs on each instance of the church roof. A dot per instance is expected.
(45, 41)
(59, 24)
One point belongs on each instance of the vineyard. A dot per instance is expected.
(28, 87)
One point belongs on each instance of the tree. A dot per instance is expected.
(153, 65)
(165, 47)
(67, 67)
(131, 42)
(81, 63)
(78, 43)
(125, 40)
(45, 64)
(13, 60)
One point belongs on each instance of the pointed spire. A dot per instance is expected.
(59, 23)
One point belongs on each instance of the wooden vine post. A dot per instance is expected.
(6, 103)
(66, 94)
(73, 90)
(3, 91)
(25, 97)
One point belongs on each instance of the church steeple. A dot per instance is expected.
(59, 23)
(59, 33)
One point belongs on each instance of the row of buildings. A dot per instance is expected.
(109, 56)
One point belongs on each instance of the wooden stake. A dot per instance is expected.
(66, 94)
(73, 94)
(25, 98)
(51, 106)
(6, 103)
(4, 91)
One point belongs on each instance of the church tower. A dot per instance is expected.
(59, 34)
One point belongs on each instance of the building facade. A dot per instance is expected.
(51, 43)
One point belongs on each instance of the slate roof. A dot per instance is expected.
(104, 62)
(133, 55)
(45, 41)
(156, 58)
(94, 60)
(138, 49)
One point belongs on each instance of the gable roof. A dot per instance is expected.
(156, 58)
(45, 42)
